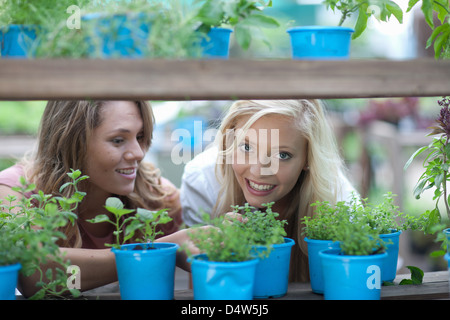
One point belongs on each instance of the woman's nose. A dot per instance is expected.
(134, 152)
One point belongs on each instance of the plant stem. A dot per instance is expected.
(445, 183)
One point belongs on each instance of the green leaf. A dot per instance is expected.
(243, 36)
(361, 22)
(261, 21)
(415, 154)
(99, 219)
(395, 10)
(411, 4)
(427, 9)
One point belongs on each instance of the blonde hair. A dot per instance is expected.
(63, 136)
(321, 182)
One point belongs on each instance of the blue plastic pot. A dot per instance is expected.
(8, 281)
(146, 274)
(216, 44)
(16, 41)
(213, 280)
(447, 237)
(351, 277)
(390, 263)
(319, 43)
(272, 272)
(117, 36)
(315, 263)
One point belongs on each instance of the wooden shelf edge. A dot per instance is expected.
(45, 79)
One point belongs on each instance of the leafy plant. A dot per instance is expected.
(263, 226)
(321, 226)
(29, 232)
(436, 165)
(440, 37)
(244, 16)
(223, 240)
(127, 226)
(381, 10)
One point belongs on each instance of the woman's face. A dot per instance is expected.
(269, 161)
(115, 149)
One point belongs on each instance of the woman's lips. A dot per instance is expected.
(259, 189)
(128, 173)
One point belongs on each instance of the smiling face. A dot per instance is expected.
(269, 160)
(115, 150)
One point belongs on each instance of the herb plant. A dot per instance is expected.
(244, 16)
(321, 226)
(382, 10)
(30, 229)
(127, 226)
(440, 36)
(222, 240)
(263, 226)
(436, 165)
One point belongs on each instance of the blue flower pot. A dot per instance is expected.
(146, 274)
(447, 237)
(16, 41)
(117, 36)
(8, 281)
(390, 263)
(351, 277)
(213, 280)
(315, 263)
(272, 272)
(320, 43)
(217, 43)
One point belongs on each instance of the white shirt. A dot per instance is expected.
(200, 187)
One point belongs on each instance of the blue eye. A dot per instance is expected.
(284, 155)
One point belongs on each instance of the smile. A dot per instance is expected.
(126, 171)
(260, 187)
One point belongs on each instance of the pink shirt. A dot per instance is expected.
(10, 178)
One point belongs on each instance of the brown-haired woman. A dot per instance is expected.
(107, 141)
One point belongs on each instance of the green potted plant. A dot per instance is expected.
(125, 29)
(271, 245)
(29, 231)
(242, 17)
(323, 42)
(225, 270)
(440, 36)
(24, 24)
(319, 235)
(387, 220)
(353, 271)
(436, 173)
(145, 268)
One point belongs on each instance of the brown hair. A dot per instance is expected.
(64, 132)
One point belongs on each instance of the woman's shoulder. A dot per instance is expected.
(11, 176)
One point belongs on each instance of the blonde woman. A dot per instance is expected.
(107, 141)
(277, 150)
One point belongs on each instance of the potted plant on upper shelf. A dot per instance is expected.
(145, 268)
(436, 174)
(225, 270)
(323, 42)
(29, 232)
(440, 36)
(21, 25)
(353, 271)
(243, 16)
(271, 245)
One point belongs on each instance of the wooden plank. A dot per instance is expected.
(220, 79)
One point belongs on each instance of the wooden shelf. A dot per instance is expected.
(220, 79)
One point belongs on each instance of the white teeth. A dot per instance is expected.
(261, 187)
(125, 171)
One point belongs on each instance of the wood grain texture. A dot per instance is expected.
(220, 79)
